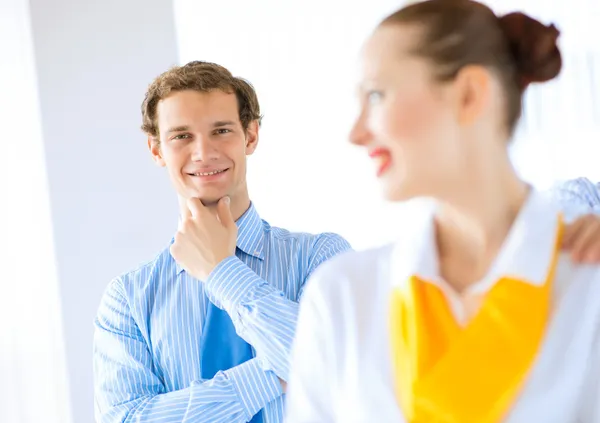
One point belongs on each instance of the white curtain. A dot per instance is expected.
(32, 365)
(559, 136)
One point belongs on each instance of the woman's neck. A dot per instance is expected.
(472, 224)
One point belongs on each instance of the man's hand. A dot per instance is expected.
(582, 239)
(204, 238)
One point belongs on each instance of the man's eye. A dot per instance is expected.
(181, 136)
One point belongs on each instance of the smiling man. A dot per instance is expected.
(202, 332)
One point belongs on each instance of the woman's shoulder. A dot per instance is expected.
(576, 289)
(352, 277)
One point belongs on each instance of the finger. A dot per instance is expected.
(573, 231)
(585, 242)
(196, 207)
(185, 212)
(224, 212)
(593, 255)
(183, 218)
(590, 252)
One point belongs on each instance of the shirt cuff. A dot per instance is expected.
(230, 282)
(255, 387)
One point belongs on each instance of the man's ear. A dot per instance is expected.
(154, 147)
(252, 137)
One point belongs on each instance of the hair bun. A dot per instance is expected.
(534, 47)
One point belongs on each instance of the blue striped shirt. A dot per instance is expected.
(578, 196)
(149, 324)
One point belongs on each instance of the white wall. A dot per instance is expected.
(111, 207)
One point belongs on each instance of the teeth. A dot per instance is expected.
(381, 160)
(214, 172)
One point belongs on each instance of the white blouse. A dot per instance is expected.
(341, 367)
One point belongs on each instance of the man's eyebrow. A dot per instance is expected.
(221, 123)
(178, 129)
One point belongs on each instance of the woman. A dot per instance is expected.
(474, 316)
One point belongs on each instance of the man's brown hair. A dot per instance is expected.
(204, 77)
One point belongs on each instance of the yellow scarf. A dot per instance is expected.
(452, 374)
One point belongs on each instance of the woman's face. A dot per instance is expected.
(408, 122)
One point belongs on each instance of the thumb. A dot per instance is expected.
(224, 212)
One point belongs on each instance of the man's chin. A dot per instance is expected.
(208, 200)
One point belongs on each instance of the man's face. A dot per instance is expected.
(203, 145)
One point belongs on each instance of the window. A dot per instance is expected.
(31, 350)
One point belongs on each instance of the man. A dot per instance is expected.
(165, 346)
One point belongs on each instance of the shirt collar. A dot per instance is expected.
(251, 233)
(250, 237)
(526, 255)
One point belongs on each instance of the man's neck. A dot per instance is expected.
(239, 207)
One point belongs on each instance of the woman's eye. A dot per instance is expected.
(374, 96)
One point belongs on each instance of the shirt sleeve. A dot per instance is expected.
(263, 315)
(577, 197)
(127, 388)
(309, 397)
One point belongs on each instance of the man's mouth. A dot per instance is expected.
(209, 173)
